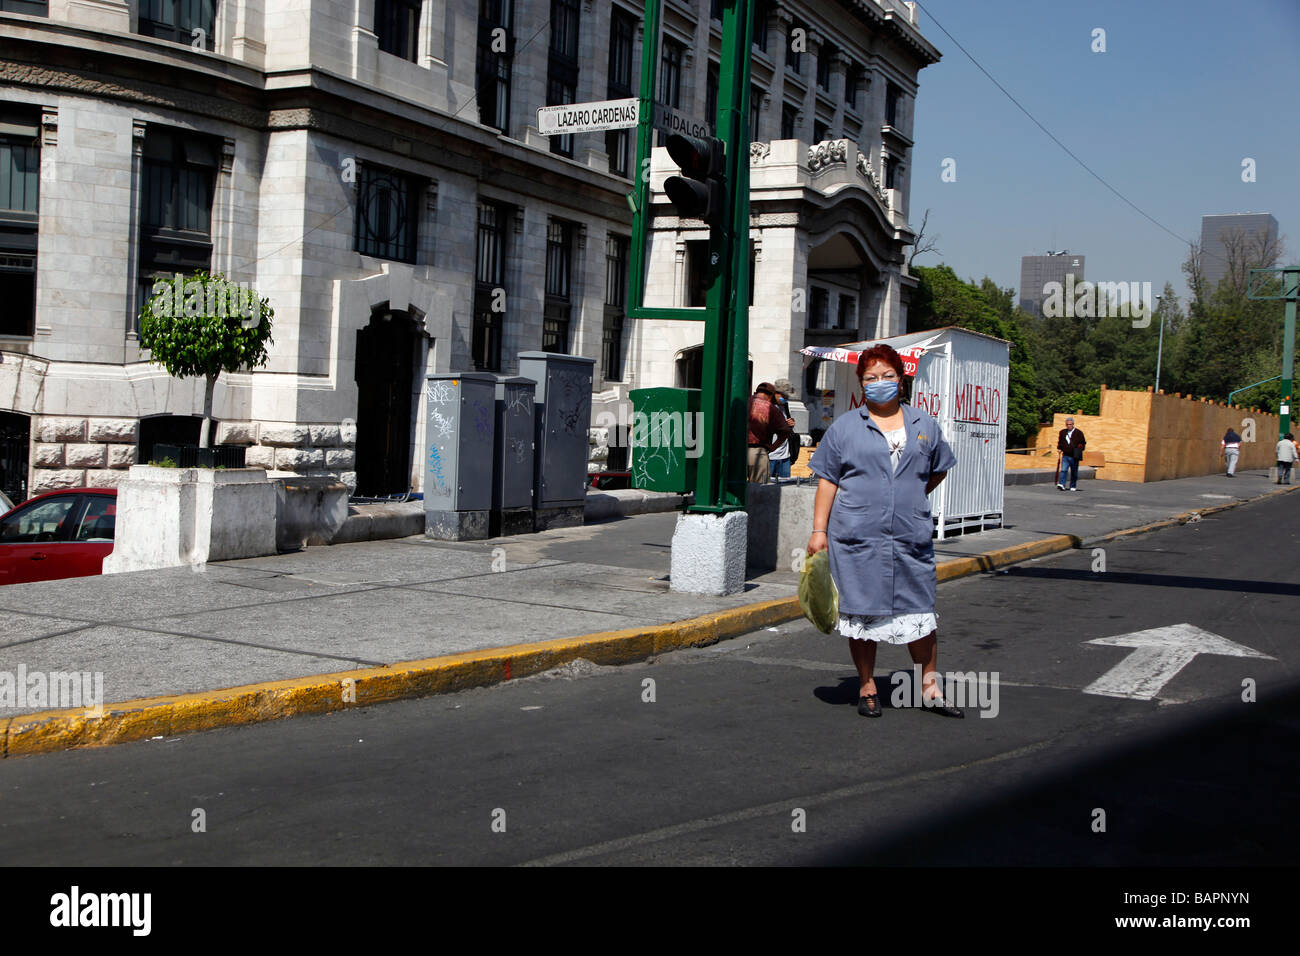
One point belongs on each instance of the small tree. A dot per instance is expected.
(203, 324)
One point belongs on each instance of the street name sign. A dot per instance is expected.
(669, 121)
(587, 117)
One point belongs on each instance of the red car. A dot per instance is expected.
(60, 534)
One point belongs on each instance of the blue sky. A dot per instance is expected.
(1184, 92)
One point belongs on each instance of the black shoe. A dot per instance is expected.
(942, 707)
(869, 705)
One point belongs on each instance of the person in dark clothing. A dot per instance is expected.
(768, 428)
(1070, 444)
(782, 456)
(1231, 448)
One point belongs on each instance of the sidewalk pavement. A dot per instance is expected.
(335, 627)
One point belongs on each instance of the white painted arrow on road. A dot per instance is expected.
(1159, 654)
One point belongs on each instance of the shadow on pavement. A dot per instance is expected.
(1155, 580)
(1217, 789)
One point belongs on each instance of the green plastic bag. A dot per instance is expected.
(817, 594)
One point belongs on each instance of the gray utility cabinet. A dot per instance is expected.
(512, 466)
(460, 427)
(512, 475)
(563, 415)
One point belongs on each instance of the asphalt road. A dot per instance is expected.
(751, 751)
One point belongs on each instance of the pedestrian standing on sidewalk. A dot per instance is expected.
(1286, 455)
(1070, 443)
(876, 465)
(780, 456)
(767, 428)
(1231, 448)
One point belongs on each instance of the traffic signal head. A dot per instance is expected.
(697, 194)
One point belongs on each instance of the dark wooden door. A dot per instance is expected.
(385, 379)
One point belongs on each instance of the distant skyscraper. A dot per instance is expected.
(1037, 271)
(1258, 228)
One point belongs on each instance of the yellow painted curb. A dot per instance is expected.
(148, 717)
(960, 567)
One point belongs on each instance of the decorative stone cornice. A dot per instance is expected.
(826, 154)
(768, 219)
(301, 118)
(67, 81)
(869, 174)
(758, 152)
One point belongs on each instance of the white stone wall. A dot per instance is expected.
(84, 236)
(81, 452)
(306, 449)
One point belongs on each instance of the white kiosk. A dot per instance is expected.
(959, 377)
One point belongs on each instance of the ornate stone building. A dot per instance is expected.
(374, 168)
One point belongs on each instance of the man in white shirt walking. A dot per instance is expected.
(1286, 456)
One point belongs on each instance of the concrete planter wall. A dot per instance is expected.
(308, 511)
(167, 517)
(780, 521)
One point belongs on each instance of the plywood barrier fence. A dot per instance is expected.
(1152, 437)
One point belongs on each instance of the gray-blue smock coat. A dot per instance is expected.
(880, 527)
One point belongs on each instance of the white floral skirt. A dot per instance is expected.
(887, 628)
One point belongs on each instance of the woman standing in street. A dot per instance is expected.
(877, 464)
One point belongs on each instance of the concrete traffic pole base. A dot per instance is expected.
(709, 553)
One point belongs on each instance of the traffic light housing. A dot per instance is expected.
(698, 192)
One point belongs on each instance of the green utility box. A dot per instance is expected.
(666, 439)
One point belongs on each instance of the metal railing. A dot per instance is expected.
(192, 456)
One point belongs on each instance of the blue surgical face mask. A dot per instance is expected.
(881, 393)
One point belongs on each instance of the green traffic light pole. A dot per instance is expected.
(1274, 284)
(721, 475)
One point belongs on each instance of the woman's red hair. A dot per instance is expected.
(881, 353)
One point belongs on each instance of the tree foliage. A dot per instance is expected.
(198, 337)
(1222, 342)
(1228, 340)
(203, 325)
(943, 299)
